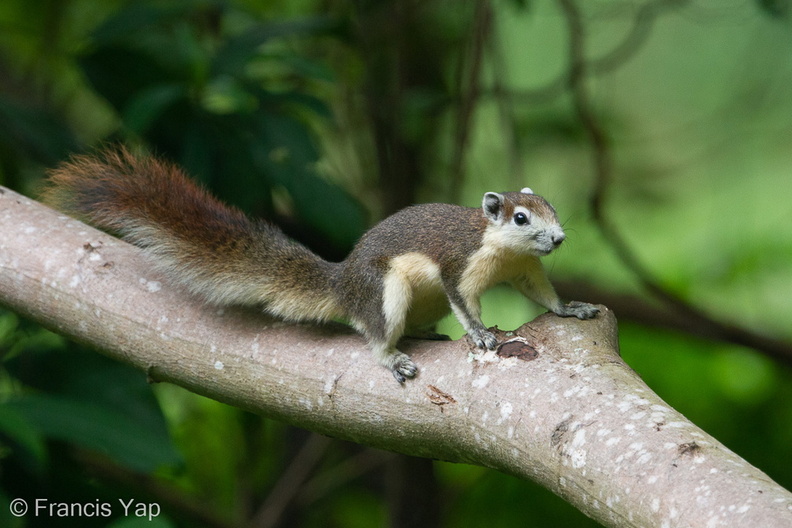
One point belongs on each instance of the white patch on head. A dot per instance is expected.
(524, 210)
(527, 190)
(535, 237)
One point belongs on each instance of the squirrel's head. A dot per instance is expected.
(523, 222)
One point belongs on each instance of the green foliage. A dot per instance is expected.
(212, 462)
(209, 104)
(35, 131)
(510, 501)
(358, 508)
(294, 111)
(56, 395)
(23, 438)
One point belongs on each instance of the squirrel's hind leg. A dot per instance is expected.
(382, 339)
(397, 296)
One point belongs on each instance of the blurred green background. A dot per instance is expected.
(323, 116)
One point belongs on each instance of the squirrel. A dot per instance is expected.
(405, 273)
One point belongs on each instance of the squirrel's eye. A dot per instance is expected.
(520, 219)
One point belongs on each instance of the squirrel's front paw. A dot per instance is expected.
(483, 339)
(577, 309)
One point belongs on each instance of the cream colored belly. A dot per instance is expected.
(429, 305)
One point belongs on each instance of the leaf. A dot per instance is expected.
(234, 56)
(98, 428)
(8, 327)
(226, 95)
(288, 156)
(34, 131)
(17, 429)
(140, 73)
(94, 402)
(296, 100)
(138, 17)
(146, 106)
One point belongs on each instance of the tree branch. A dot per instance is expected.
(556, 405)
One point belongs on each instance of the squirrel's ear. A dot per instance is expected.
(493, 206)
(526, 190)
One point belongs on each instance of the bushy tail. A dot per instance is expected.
(212, 249)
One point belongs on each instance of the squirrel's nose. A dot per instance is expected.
(557, 238)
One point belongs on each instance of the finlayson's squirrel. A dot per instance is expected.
(404, 274)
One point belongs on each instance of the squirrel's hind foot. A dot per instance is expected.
(403, 367)
(399, 363)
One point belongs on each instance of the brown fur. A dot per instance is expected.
(120, 191)
(213, 249)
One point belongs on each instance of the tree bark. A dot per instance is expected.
(555, 404)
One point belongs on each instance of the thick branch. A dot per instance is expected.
(557, 406)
